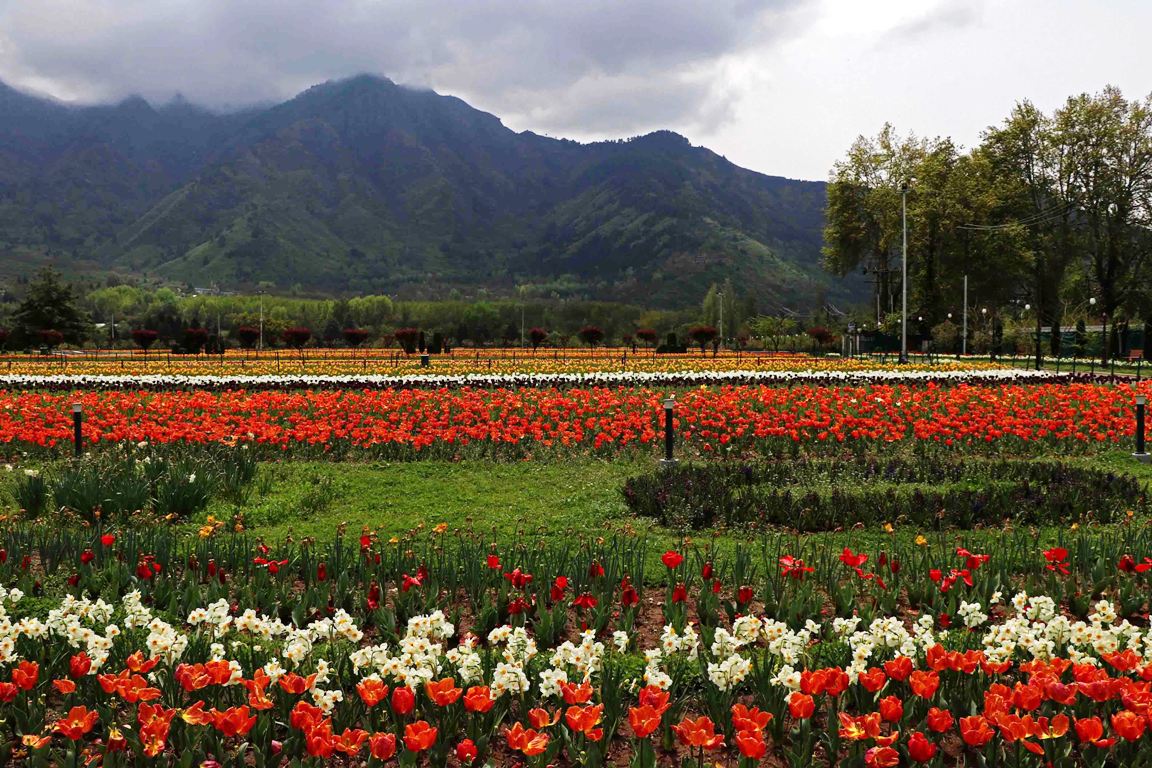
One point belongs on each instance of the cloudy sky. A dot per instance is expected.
(780, 86)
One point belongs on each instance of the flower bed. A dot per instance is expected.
(246, 655)
(685, 378)
(461, 362)
(410, 423)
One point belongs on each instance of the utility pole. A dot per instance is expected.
(904, 272)
(720, 295)
(964, 336)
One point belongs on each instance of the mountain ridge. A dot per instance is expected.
(363, 185)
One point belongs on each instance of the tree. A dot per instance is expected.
(821, 335)
(354, 337)
(297, 336)
(194, 339)
(772, 328)
(50, 337)
(591, 335)
(1109, 146)
(537, 336)
(247, 336)
(1030, 166)
(4, 334)
(50, 304)
(145, 337)
(407, 338)
(862, 217)
(702, 335)
(647, 335)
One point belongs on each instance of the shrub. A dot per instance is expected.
(354, 337)
(247, 336)
(145, 337)
(825, 495)
(407, 338)
(702, 335)
(591, 335)
(296, 337)
(195, 339)
(50, 338)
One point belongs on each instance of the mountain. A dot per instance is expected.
(363, 186)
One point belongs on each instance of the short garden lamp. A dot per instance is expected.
(1141, 453)
(669, 435)
(77, 435)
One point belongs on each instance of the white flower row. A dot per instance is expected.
(1031, 629)
(533, 380)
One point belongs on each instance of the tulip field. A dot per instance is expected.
(854, 564)
(736, 420)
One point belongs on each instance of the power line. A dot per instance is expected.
(1042, 217)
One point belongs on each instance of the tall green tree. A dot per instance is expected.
(49, 304)
(1109, 145)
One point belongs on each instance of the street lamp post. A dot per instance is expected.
(904, 271)
(964, 334)
(260, 346)
(720, 295)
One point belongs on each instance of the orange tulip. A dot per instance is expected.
(234, 721)
(526, 740)
(443, 692)
(975, 731)
(25, 675)
(64, 686)
(1128, 725)
(924, 684)
(881, 757)
(350, 742)
(751, 744)
(478, 698)
(699, 733)
(644, 720)
(372, 691)
(196, 715)
(800, 705)
(539, 718)
(76, 723)
(891, 709)
(584, 720)
(419, 736)
(745, 719)
(939, 720)
(576, 694)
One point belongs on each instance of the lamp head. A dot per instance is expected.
(669, 402)
(77, 408)
(1141, 399)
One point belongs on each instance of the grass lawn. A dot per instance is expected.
(305, 498)
(523, 502)
(515, 501)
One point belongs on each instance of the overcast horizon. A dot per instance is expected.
(778, 86)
